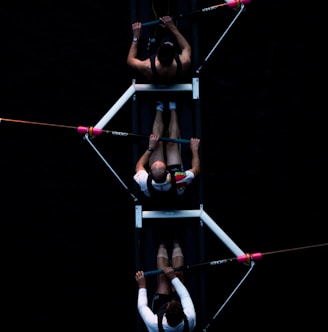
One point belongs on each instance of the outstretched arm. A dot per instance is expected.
(144, 159)
(195, 161)
(132, 59)
(181, 40)
(149, 318)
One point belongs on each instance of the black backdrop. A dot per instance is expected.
(67, 225)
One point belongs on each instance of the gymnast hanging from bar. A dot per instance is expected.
(170, 64)
(171, 61)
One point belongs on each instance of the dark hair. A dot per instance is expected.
(165, 53)
(174, 313)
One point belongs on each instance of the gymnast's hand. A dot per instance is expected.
(141, 279)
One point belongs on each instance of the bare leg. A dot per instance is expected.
(163, 284)
(178, 260)
(158, 129)
(172, 149)
(158, 124)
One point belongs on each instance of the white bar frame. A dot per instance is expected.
(145, 88)
(204, 217)
(167, 214)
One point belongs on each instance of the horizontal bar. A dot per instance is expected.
(171, 214)
(171, 87)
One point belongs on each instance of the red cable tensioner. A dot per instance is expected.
(247, 258)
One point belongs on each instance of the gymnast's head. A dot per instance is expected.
(158, 171)
(165, 53)
(174, 313)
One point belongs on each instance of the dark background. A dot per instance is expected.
(67, 224)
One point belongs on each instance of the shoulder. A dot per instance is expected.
(143, 66)
(186, 176)
(185, 59)
(141, 176)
